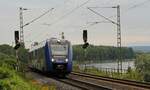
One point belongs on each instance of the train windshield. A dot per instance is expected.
(59, 49)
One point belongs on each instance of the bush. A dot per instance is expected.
(10, 80)
(5, 59)
(142, 65)
(147, 77)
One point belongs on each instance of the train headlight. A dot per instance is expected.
(66, 60)
(53, 60)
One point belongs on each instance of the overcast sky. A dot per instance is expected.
(135, 21)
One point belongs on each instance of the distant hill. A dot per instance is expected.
(141, 48)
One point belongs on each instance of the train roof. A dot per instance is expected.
(37, 45)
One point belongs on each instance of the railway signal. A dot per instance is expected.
(85, 36)
(86, 44)
(17, 40)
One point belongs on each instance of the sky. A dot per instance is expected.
(70, 17)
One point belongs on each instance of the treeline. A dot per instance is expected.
(101, 53)
(9, 50)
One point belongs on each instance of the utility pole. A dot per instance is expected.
(119, 40)
(21, 26)
(119, 58)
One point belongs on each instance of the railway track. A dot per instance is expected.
(108, 83)
(80, 84)
(84, 81)
(83, 85)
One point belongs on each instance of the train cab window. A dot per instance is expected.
(59, 49)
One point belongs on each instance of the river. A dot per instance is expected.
(110, 65)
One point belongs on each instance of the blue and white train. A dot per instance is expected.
(52, 56)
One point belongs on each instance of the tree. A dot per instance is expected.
(10, 61)
(6, 49)
(142, 65)
(23, 54)
(101, 53)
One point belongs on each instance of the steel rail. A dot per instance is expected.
(114, 80)
(84, 85)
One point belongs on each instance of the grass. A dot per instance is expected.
(129, 75)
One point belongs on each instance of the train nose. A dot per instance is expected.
(60, 67)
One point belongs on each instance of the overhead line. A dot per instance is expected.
(139, 4)
(38, 17)
(64, 16)
(102, 16)
(130, 8)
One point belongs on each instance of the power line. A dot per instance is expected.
(64, 16)
(38, 17)
(139, 4)
(135, 6)
(130, 8)
(93, 23)
(103, 16)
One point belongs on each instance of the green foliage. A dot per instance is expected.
(23, 54)
(101, 53)
(132, 75)
(9, 61)
(142, 64)
(9, 78)
(6, 49)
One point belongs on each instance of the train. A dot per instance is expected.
(52, 56)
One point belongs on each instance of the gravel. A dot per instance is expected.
(48, 81)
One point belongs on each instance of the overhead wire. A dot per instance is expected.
(106, 2)
(38, 17)
(128, 9)
(46, 12)
(102, 16)
(43, 15)
(64, 16)
(67, 14)
(139, 4)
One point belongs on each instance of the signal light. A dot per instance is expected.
(85, 45)
(16, 37)
(17, 40)
(85, 36)
(17, 46)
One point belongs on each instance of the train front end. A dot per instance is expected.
(61, 56)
